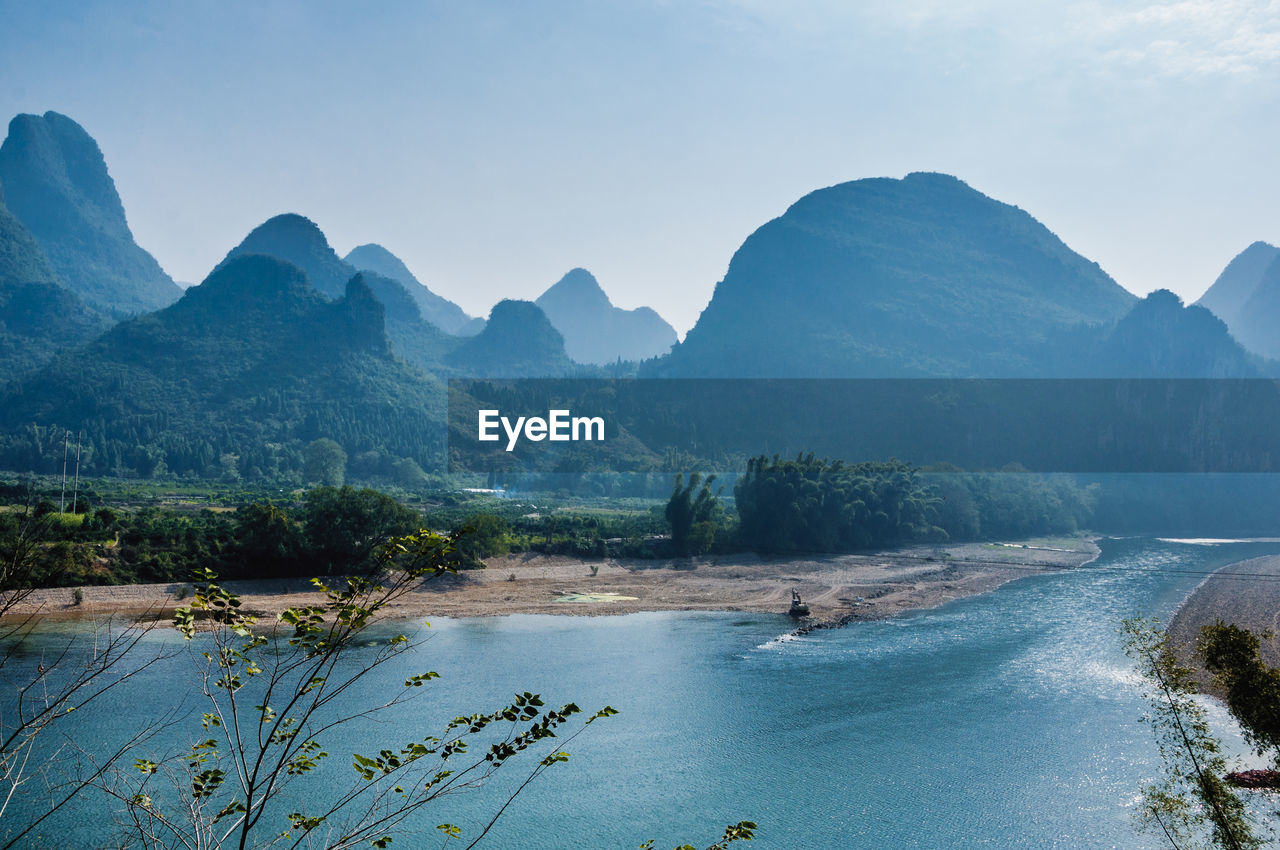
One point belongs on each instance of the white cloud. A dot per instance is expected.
(1189, 38)
(1181, 38)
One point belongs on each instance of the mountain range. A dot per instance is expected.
(441, 312)
(299, 241)
(235, 378)
(1162, 338)
(597, 332)
(518, 341)
(285, 342)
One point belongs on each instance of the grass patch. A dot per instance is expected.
(593, 597)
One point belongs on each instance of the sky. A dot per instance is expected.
(493, 146)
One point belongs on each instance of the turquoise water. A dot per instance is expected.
(1004, 720)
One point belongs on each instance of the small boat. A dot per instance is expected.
(798, 608)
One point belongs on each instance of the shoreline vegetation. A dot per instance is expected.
(838, 588)
(1245, 594)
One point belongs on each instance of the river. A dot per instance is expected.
(1009, 719)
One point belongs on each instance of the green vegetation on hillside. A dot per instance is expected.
(439, 311)
(231, 382)
(56, 183)
(922, 276)
(39, 317)
(299, 241)
(517, 342)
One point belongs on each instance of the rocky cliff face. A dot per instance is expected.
(56, 183)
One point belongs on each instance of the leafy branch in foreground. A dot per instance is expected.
(741, 831)
(272, 693)
(1191, 805)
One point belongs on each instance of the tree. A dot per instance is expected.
(1191, 803)
(342, 526)
(325, 463)
(486, 536)
(270, 695)
(407, 472)
(693, 518)
(815, 505)
(1252, 687)
(266, 541)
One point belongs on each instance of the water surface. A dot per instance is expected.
(1004, 720)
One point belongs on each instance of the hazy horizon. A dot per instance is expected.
(495, 146)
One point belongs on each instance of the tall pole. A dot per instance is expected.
(66, 445)
(76, 491)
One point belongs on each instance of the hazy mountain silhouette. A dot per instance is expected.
(441, 312)
(38, 316)
(299, 241)
(1160, 338)
(252, 358)
(472, 327)
(518, 341)
(56, 183)
(1247, 297)
(1238, 280)
(597, 332)
(1259, 321)
(882, 277)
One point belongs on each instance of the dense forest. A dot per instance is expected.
(328, 530)
(232, 381)
(811, 504)
(106, 539)
(804, 504)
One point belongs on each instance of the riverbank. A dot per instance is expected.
(1247, 594)
(836, 587)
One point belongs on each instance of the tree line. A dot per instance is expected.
(811, 504)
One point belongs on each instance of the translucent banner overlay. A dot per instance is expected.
(1038, 425)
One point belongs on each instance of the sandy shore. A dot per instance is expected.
(836, 587)
(1246, 593)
